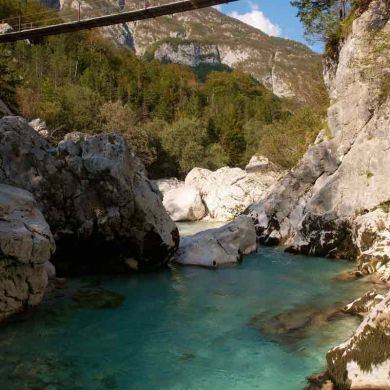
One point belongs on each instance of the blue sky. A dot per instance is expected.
(274, 17)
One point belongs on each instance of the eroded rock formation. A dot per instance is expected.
(26, 244)
(219, 195)
(220, 246)
(363, 361)
(94, 195)
(335, 202)
(188, 53)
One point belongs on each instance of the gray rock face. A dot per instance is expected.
(188, 53)
(220, 246)
(94, 195)
(4, 110)
(26, 244)
(363, 361)
(317, 208)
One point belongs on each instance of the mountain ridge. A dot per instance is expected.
(286, 67)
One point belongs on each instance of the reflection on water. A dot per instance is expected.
(188, 228)
(186, 328)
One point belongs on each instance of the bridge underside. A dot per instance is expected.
(107, 20)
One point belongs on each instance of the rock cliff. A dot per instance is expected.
(26, 243)
(288, 68)
(94, 195)
(335, 202)
(363, 361)
(188, 53)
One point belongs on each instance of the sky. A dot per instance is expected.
(274, 17)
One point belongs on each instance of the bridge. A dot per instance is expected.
(32, 30)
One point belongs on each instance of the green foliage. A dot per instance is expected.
(371, 348)
(29, 12)
(172, 116)
(186, 141)
(285, 141)
(9, 78)
(321, 20)
(385, 88)
(318, 17)
(202, 70)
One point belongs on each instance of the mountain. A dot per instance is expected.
(288, 68)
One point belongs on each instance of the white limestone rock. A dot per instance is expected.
(188, 53)
(5, 28)
(220, 246)
(26, 244)
(228, 192)
(363, 361)
(361, 306)
(184, 204)
(259, 163)
(165, 185)
(40, 127)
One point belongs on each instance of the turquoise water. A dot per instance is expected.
(185, 328)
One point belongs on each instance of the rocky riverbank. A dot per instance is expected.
(90, 195)
(335, 202)
(221, 195)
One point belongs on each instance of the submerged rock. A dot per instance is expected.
(26, 244)
(289, 326)
(98, 298)
(319, 381)
(363, 361)
(95, 196)
(220, 246)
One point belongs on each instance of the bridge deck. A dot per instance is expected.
(107, 20)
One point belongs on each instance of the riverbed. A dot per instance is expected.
(185, 328)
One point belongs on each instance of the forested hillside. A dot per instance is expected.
(174, 117)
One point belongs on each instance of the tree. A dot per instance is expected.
(319, 18)
(118, 118)
(185, 141)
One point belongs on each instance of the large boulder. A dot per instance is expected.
(220, 246)
(363, 361)
(184, 204)
(227, 192)
(26, 245)
(165, 185)
(103, 211)
(335, 201)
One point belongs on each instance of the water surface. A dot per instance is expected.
(185, 328)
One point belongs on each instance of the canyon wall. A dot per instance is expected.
(335, 202)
